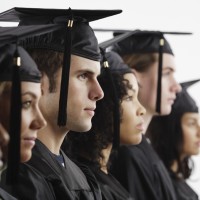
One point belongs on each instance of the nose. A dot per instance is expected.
(176, 87)
(39, 122)
(96, 92)
(141, 109)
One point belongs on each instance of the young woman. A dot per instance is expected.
(31, 119)
(137, 167)
(176, 138)
(94, 147)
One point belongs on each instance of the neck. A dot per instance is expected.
(52, 138)
(104, 160)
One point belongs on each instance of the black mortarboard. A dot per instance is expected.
(146, 42)
(16, 65)
(113, 63)
(77, 38)
(166, 132)
(184, 102)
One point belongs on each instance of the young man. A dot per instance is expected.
(138, 167)
(60, 177)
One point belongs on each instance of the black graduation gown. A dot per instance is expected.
(5, 196)
(139, 169)
(43, 177)
(183, 190)
(111, 189)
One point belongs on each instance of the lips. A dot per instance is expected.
(140, 126)
(171, 100)
(29, 140)
(90, 111)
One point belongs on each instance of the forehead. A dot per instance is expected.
(80, 63)
(132, 80)
(168, 61)
(31, 88)
(191, 115)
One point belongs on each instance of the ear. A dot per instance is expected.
(44, 84)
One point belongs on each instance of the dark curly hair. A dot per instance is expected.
(91, 143)
(166, 136)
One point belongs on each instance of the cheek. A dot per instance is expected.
(25, 121)
(127, 119)
(188, 136)
(75, 87)
(165, 86)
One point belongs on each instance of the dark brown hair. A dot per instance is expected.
(140, 62)
(48, 62)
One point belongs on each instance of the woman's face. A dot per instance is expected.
(191, 133)
(32, 119)
(148, 82)
(132, 124)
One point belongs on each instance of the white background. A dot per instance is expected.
(164, 15)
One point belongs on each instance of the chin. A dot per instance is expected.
(137, 140)
(166, 111)
(132, 141)
(82, 127)
(25, 157)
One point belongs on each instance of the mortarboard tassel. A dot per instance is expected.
(15, 124)
(116, 113)
(159, 83)
(62, 113)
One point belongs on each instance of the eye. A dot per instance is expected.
(83, 76)
(167, 73)
(191, 123)
(128, 98)
(26, 104)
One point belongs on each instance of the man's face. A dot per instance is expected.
(148, 82)
(83, 92)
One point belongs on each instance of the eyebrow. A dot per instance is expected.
(132, 89)
(169, 68)
(87, 71)
(192, 118)
(29, 93)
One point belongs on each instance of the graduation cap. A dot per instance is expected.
(16, 65)
(146, 42)
(167, 130)
(184, 102)
(113, 63)
(77, 38)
